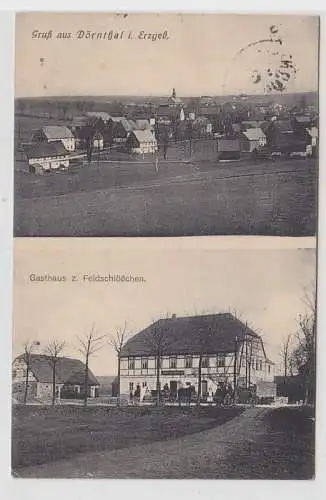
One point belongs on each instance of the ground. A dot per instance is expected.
(182, 199)
(257, 443)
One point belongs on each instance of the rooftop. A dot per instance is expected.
(57, 132)
(187, 335)
(67, 369)
(45, 150)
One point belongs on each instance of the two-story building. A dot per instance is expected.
(228, 351)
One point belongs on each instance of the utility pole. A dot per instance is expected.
(235, 365)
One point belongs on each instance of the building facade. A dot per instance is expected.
(44, 157)
(141, 142)
(70, 378)
(54, 133)
(227, 351)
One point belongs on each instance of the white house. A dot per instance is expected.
(251, 139)
(52, 133)
(70, 378)
(230, 352)
(43, 157)
(141, 141)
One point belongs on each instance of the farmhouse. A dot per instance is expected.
(70, 378)
(43, 157)
(228, 350)
(251, 139)
(121, 129)
(85, 135)
(52, 133)
(141, 141)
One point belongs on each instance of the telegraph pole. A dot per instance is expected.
(235, 365)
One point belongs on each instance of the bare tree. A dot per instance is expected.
(304, 354)
(117, 342)
(88, 347)
(286, 354)
(53, 351)
(27, 357)
(158, 341)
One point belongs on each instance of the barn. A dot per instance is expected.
(54, 133)
(44, 157)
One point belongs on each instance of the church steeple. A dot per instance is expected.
(174, 95)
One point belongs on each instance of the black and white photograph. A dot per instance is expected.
(163, 361)
(165, 124)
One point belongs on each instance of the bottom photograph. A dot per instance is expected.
(162, 361)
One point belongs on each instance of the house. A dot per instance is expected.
(121, 129)
(86, 134)
(229, 351)
(312, 145)
(202, 125)
(70, 378)
(53, 133)
(79, 122)
(44, 157)
(141, 141)
(228, 148)
(251, 139)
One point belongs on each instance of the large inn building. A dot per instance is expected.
(228, 349)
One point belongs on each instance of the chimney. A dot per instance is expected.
(174, 316)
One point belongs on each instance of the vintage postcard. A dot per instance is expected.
(163, 360)
(165, 124)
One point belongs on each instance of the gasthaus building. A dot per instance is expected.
(229, 351)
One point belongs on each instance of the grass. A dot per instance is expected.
(180, 200)
(42, 435)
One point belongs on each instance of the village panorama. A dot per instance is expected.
(166, 165)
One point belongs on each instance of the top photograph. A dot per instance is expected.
(165, 125)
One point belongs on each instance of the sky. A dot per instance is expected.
(266, 287)
(198, 57)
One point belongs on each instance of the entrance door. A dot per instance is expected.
(174, 388)
(204, 387)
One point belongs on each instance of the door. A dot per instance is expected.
(174, 388)
(204, 388)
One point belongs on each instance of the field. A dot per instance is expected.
(174, 443)
(41, 435)
(181, 199)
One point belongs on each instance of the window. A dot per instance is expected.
(173, 362)
(220, 360)
(144, 364)
(131, 364)
(144, 384)
(188, 362)
(204, 362)
(269, 368)
(257, 364)
(131, 386)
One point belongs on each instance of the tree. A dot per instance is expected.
(53, 350)
(286, 354)
(88, 347)
(157, 344)
(27, 357)
(117, 342)
(304, 354)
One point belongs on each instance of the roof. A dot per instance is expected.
(57, 132)
(45, 149)
(67, 370)
(254, 134)
(99, 114)
(185, 335)
(228, 143)
(144, 136)
(303, 118)
(117, 119)
(142, 124)
(79, 121)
